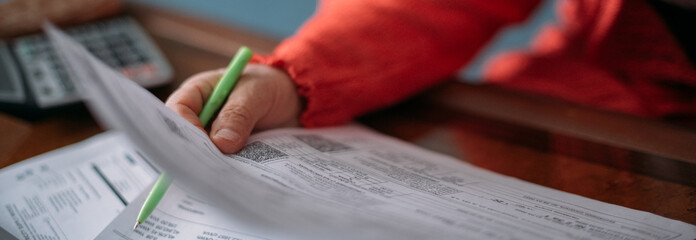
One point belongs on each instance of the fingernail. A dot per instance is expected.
(228, 135)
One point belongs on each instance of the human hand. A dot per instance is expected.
(264, 97)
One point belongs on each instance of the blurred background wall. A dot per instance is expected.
(273, 18)
(280, 18)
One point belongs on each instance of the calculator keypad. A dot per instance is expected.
(119, 42)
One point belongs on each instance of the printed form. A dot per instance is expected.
(334, 183)
(360, 169)
(74, 192)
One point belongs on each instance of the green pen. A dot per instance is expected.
(215, 101)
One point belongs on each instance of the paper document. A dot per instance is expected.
(179, 215)
(335, 183)
(384, 177)
(359, 169)
(74, 192)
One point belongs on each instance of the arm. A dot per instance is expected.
(356, 56)
(352, 57)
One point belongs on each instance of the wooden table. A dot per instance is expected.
(636, 163)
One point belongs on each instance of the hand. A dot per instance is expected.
(265, 97)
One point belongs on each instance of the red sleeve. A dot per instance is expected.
(354, 56)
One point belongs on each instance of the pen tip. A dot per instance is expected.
(136, 225)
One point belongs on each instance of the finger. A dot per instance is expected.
(237, 118)
(188, 100)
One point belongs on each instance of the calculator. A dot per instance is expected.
(33, 78)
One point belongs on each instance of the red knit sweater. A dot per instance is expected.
(355, 56)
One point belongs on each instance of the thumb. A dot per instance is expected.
(237, 118)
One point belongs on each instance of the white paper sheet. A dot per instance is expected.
(344, 182)
(74, 192)
(179, 215)
(360, 169)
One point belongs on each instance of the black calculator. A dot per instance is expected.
(33, 78)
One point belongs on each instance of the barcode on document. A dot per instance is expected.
(260, 152)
